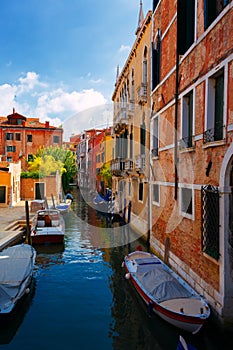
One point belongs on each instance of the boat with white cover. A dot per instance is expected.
(16, 271)
(166, 293)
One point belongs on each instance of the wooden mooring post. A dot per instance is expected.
(28, 232)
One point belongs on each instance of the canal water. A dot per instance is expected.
(79, 298)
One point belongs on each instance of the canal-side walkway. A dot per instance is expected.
(9, 218)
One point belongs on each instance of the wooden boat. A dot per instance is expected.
(64, 207)
(48, 227)
(101, 204)
(165, 292)
(17, 264)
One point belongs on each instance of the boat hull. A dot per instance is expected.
(187, 322)
(48, 227)
(47, 239)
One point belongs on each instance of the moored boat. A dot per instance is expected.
(16, 271)
(48, 226)
(166, 293)
(64, 207)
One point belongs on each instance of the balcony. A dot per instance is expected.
(214, 134)
(131, 109)
(186, 142)
(128, 165)
(140, 163)
(142, 93)
(123, 119)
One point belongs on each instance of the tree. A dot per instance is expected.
(50, 160)
(105, 175)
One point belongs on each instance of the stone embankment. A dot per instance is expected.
(12, 220)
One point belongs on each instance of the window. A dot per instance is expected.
(143, 138)
(30, 157)
(18, 136)
(132, 87)
(131, 145)
(55, 139)
(140, 191)
(9, 136)
(187, 202)
(129, 189)
(10, 148)
(156, 59)
(187, 120)
(155, 3)
(3, 192)
(155, 193)
(29, 138)
(9, 159)
(212, 8)
(186, 24)
(155, 141)
(144, 67)
(210, 220)
(215, 104)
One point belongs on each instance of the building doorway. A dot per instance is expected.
(39, 190)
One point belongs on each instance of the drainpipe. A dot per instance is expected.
(176, 104)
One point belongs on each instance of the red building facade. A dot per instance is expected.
(20, 137)
(191, 144)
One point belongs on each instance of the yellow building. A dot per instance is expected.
(131, 123)
(9, 183)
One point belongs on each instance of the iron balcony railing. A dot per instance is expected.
(140, 163)
(186, 142)
(142, 93)
(213, 134)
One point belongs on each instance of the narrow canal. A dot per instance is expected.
(80, 299)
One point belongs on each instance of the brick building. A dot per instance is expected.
(191, 144)
(20, 137)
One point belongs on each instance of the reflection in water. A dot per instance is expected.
(81, 299)
(9, 324)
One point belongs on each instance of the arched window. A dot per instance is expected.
(144, 66)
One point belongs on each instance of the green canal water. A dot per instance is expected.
(79, 298)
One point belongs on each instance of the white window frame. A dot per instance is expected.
(184, 213)
(209, 106)
(153, 201)
(185, 115)
(154, 120)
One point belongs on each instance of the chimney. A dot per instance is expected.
(13, 110)
(47, 124)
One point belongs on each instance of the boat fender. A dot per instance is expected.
(27, 290)
(127, 276)
(150, 308)
(123, 264)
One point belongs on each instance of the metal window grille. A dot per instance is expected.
(210, 220)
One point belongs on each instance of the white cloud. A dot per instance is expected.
(96, 81)
(60, 101)
(33, 98)
(124, 48)
(29, 82)
(7, 98)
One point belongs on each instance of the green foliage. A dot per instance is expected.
(49, 161)
(31, 175)
(105, 175)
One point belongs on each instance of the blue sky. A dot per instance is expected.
(59, 57)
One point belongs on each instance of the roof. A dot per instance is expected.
(27, 122)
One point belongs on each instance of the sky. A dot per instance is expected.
(58, 58)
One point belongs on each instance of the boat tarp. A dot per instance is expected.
(16, 264)
(161, 284)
